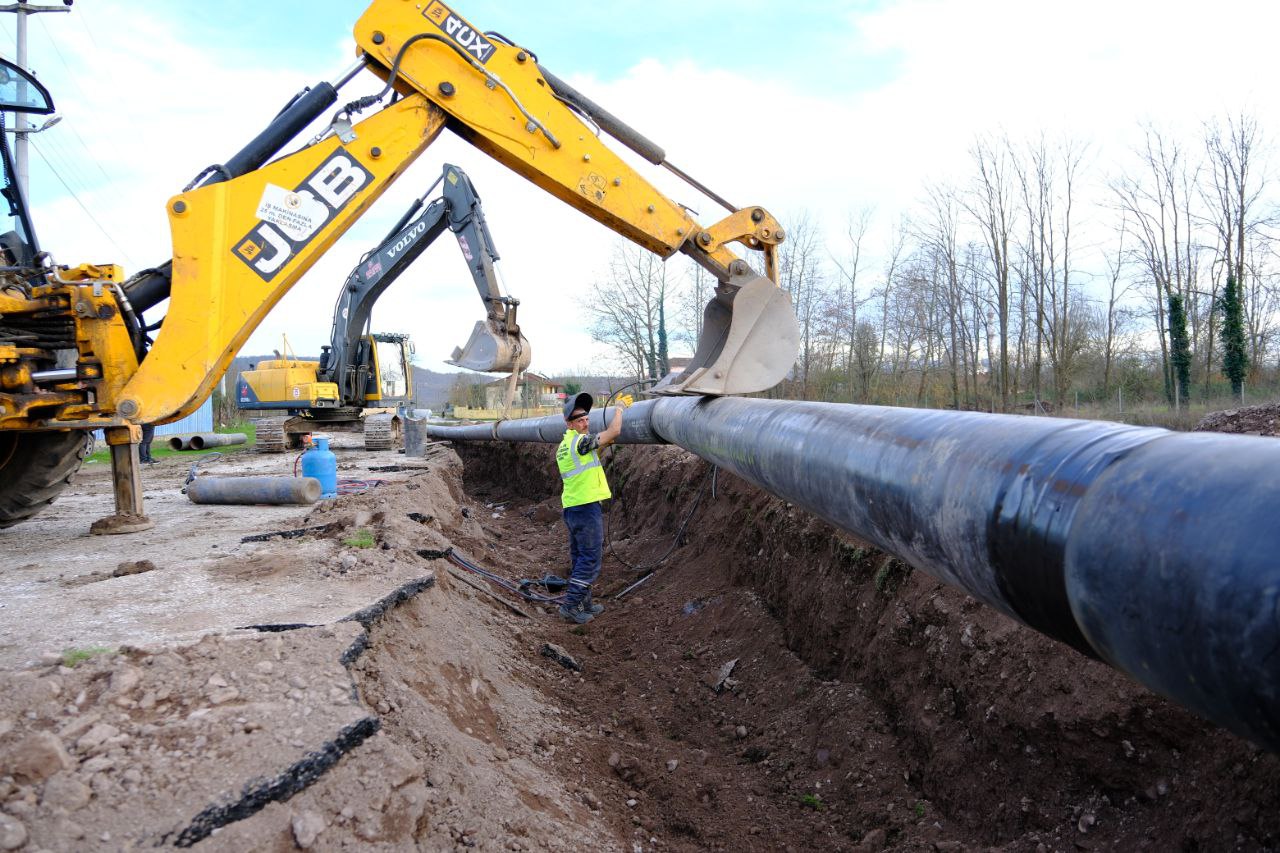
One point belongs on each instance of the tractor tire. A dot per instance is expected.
(34, 469)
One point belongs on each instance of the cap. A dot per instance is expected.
(580, 401)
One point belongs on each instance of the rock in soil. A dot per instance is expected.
(36, 757)
(13, 834)
(307, 827)
(560, 656)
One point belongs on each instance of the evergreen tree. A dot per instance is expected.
(1179, 348)
(664, 360)
(1235, 359)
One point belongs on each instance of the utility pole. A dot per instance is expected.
(20, 130)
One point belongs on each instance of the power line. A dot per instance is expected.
(86, 210)
(72, 77)
(63, 159)
(68, 164)
(53, 42)
(80, 17)
(71, 127)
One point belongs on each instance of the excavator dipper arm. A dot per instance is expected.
(500, 99)
(457, 210)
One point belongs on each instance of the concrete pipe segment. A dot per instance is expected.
(205, 440)
(254, 490)
(1157, 552)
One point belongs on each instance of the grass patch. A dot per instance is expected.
(813, 801)
(891, 575)
(160, 445)
(361, 539)
(71, 657)
(850, 555)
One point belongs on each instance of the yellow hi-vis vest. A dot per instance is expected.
(583, 477)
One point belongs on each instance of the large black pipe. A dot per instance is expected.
(636, 428)
(1156, 552)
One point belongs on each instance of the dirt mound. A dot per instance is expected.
(865, 705)
(1250, 420)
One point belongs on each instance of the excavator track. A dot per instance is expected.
(381, 432)
(34, 469)
(270, 437)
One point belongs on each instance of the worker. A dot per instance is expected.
(585, 486)
(144, 447)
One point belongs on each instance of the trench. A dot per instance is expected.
(869, 705)
(775, 685)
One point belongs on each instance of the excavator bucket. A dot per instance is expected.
(749, 341)
(491, 349)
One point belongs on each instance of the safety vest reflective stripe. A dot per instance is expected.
(578, 489)
(579, 468)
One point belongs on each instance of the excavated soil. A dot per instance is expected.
(775, 685)
(1249, 420)
(870, 707)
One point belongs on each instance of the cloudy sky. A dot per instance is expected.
(821, 107)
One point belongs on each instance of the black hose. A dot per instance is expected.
(675, 542)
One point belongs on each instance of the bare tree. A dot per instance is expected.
(692, 302)
(848, 299)
(630, 312)
(1115, 318)
(941, 233)
(1159, 205)
(897, 243)
(1048, 179)
(800, 274)
(990, 203)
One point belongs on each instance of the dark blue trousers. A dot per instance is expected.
(586, 547)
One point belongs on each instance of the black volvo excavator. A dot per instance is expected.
(363, 377)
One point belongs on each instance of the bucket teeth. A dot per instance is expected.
(491, 349)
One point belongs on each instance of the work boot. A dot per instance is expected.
(575, 613)
(589, 606)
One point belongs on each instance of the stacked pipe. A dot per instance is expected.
(1156, 552)
(204, 440)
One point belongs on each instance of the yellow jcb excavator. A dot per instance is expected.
(76, 353)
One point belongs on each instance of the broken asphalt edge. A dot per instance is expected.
(257, 793)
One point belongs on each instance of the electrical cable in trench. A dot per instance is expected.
(509, 585)
(650, 568)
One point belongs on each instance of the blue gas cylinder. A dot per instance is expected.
(319, 462)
